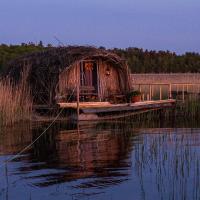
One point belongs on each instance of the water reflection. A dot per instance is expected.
(86, 153)
(117, 160)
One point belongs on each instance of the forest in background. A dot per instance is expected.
(139, 60)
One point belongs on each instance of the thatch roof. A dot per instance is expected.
(45, 66)
(59, 58)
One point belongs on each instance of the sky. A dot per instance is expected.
(149, 24)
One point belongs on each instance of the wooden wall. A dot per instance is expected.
(107, 85)
(68, 80)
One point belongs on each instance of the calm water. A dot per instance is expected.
(105, 161)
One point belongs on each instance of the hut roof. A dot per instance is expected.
(63, 57)
(44, 67)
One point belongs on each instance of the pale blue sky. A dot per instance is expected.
(151, 24)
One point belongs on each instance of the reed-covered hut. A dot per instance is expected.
(55, 74)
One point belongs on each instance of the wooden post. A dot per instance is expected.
(147, 97)
(170, 91)
(160, 92)
(183, 93)
(177, 89)
(98, 82)
(150, 93)
(187, 88)
(78, 147)
(142, 97)
(140, 88)
(77, 89)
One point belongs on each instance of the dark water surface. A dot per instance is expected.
(104, 161)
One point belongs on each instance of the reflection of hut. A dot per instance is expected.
(83, 154)
(93, 155)
(56, 72)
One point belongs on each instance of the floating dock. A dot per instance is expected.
(105, 110)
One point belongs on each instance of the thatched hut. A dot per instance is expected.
(56, 74)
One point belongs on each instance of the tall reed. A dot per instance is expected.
(15, 100)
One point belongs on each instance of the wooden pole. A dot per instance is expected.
(150, 92)
(170, 91)
(77, 89)
(98, 82)
(148, 97)
(177, 89)
(142, 97)
(183, 93)
(140, 88)
(160, 92)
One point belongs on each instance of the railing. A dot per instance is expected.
(149, 90)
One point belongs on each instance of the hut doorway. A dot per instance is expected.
(88, 78)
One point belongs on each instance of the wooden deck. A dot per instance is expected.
(106, 110)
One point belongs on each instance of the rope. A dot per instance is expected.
(34, 141)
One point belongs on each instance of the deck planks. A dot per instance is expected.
(130, 107)
(94, 111)
(104, 107)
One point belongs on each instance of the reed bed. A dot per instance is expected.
(15, 101)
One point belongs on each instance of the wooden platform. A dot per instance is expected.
(85, 105)
(106, 110)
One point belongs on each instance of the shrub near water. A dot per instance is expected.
(15, 101)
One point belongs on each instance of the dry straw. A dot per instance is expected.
(15, 101)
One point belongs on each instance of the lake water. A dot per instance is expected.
(104, 161)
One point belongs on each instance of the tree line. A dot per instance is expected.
(145, 61)
(139, 60)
